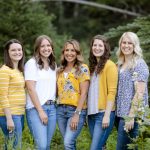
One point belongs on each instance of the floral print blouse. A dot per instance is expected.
(69, 86)
(126, 87)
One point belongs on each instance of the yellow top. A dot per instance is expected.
(12, 92)
(69, 86)
(108, 84)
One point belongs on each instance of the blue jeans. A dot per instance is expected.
(41, 133)
(124, 138)
(16, 136)
(64, 115)
(98, 134)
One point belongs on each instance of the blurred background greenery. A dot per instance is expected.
(61, 20)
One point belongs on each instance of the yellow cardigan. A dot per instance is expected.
(107, 84)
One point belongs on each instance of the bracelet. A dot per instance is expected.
(77, 112)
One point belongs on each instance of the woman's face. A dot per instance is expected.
(45, 48)
(98, 48)
(70, 53)
(127, 46)
(15, 52)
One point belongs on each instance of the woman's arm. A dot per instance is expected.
(112, 79)
(10, 122)
(138, 97)
(83, 95)
(4, 101)
(106, 118)
(35, 100)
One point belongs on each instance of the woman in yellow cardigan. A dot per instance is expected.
(102, 92)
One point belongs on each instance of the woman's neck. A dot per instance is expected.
(69, 67)
(98, 59)
(46, 64)
(15, 65)
(128, 59)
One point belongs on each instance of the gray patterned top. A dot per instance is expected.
(126, 88)
(93, 94)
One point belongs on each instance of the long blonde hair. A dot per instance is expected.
(137, 52)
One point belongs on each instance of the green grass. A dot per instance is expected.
(83, 141)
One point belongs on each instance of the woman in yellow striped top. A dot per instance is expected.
(12, 93)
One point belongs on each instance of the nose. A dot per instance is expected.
(69, 52)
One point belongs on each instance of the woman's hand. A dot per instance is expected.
(10, 125)
(105, 121)
(129, 125)
(43, 117)
(74, 122)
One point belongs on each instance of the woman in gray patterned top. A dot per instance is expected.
(132, 87)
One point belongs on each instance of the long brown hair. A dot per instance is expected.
(103, 59)
(7, 60)
(79, 59)
(51, 58)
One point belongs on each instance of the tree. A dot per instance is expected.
(25, 20)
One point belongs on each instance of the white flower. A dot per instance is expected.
(134, 75)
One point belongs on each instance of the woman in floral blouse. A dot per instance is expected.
(72, 82)
(132, 87)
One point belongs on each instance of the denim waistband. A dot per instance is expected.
(50, 102)
(66, 105)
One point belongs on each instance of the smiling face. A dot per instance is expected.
(98, 48)
(127, 47)
(70, 53)
(15, 52)
(45, 49)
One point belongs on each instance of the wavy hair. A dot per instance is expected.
(137, 51)
(7, 60)
(79, 59)
(37, 56)
(93, 64)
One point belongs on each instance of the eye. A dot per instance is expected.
(42, 46)
(73, 50)
(123, 42)
(19, 49)
(66, 50)
(130, 43)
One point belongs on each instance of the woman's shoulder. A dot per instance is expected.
(5, 69)
(30, 62)
(84, 67)
(141, 64)
(110, 63)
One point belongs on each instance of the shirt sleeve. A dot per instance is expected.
(141, 72)
(112, 80)
(4, 86)
(30, 70)
(84, 74)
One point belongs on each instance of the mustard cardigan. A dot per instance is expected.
(107, 84)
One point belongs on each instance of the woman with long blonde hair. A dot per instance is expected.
(132, 87)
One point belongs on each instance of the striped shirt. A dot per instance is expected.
(12, 91)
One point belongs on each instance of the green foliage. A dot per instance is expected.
(143, 139)
(25, 21)
(83, 141)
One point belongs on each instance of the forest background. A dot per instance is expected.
(78, 19)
